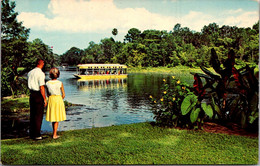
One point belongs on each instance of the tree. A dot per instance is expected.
(211, 34)
(92, 54)
(178, 47)
(126, 56)
(39, 50)
(109, 49)
(72, 56)
(256, 27)
(182, 35)
(14, 48)
(115, 32)
(132, 35)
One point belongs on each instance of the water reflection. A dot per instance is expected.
(89, 85)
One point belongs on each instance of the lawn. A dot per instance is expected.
(139, 143)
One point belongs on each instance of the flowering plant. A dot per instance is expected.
(167, 109)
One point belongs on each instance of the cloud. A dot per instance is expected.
(101, 16)
(196, 20)
(94, 16)
(240, 18)
(234, 11)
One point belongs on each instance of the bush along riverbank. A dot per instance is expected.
(141, 143)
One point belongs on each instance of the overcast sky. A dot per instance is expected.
(74, 23)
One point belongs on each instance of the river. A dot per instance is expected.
(108, 102)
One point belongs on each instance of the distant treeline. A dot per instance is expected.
(181, 46)
(150, 48)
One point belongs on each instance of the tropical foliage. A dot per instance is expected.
(228, 95)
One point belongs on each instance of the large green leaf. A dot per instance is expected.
(253, 105)
(253, 117)
(194, 115)
(188, 103)
(205, 70)
(202, 75)
(214, 61)
(215, 106)
(207, 109)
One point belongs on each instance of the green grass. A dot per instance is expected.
(139, 143)
(20, 104)
(177, 69)
(15, 105)
(164, 70)
(180, 72)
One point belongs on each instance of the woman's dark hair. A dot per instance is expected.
(54, 73)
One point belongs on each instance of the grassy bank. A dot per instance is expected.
(20, 104)
(163, 70)
(139, 143)
(177, 69)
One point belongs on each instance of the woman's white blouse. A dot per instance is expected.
(54, 87)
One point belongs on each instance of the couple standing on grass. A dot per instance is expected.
(55, 91)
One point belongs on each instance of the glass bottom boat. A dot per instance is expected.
(100, 71)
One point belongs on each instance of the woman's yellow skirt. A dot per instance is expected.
(56, 109)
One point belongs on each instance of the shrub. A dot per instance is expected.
(167, 109)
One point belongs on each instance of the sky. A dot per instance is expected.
(63, 24)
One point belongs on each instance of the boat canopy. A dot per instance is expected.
(100, 66)
(104, 70)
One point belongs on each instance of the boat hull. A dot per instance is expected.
(99, 77)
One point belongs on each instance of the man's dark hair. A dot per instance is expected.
(38, 61)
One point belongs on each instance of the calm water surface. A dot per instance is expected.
(108, 102)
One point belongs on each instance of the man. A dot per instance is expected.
(36, 83)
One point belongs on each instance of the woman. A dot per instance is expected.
(56, 109)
